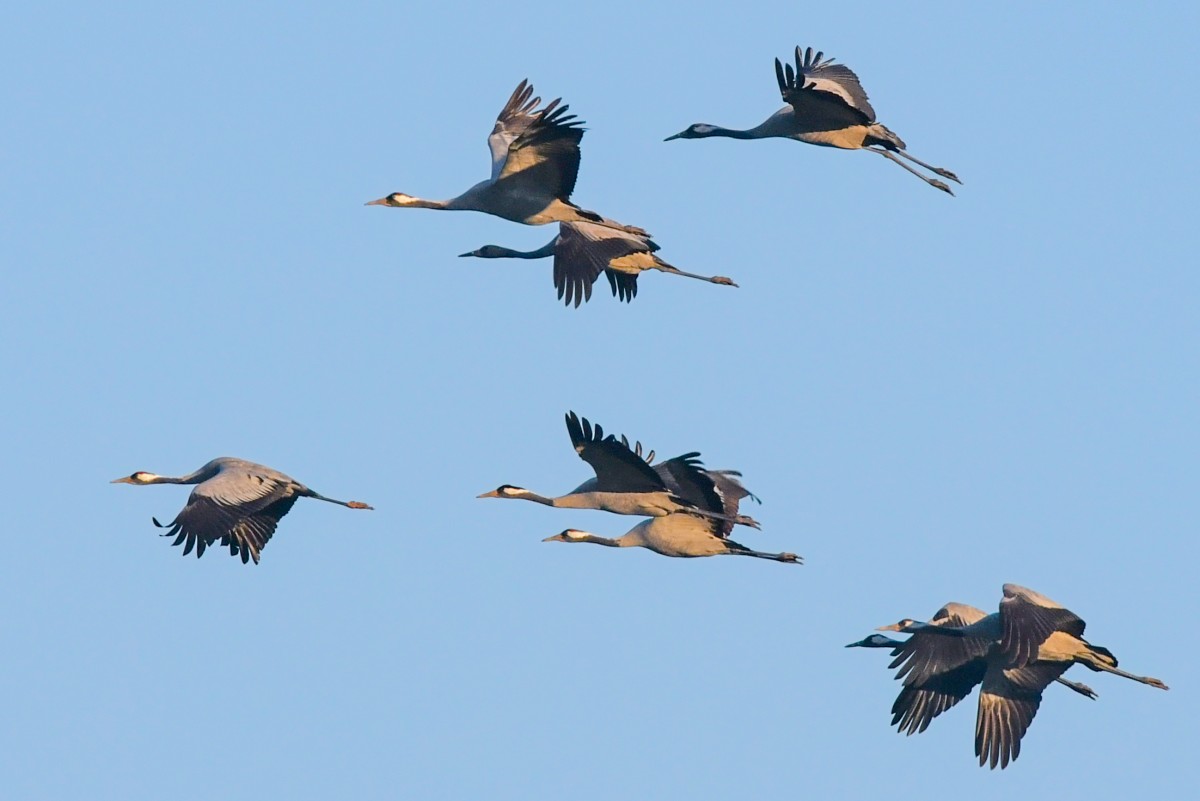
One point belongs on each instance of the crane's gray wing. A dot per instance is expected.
(822, 90)
(618, 469)
(928, 654)
(541, 149)
(1008, 701)
(1028, 619)
(512, 121)
(917, 705)
(624, 285)
(583, 251)
(729, 484)
(686, 478)
(238, 507)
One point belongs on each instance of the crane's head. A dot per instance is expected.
(394, 199)
(875, 641)
(697, 131)
(140, 477)
(568, 535)
(907, 624)
(506, 491)
(488, 252)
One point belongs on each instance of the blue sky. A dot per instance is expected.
(932, 396)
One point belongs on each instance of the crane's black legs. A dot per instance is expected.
(1082, 689)
(1117, 671)
(347, 504)
(774, 557)
(887, 154)
(942, 171)
(716, 279)
(740, 520)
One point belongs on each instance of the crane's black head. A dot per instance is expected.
(874, 641)
(140, 477)
(568, 535)
(903, 625)
(505, 491)
(394, 199)
(487, 252)
(696, 131)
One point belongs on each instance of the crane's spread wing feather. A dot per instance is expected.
(537, 148)
(1028, 619)
(916, 706)
(512, 121)
(1008, 701)
(821, 90)
(926, 655)
(239, 507)
(583, 251)
(686, 478)
(624, 285)
(618, 469)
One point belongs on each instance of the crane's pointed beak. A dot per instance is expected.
(383, 201)
(555, 538)
(464, 255)
(893, 627)
(673, 136)
(122, 480)
(492, 494)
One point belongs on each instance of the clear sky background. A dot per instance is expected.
(932, 396)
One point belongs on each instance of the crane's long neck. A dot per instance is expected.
(619, 542)
(542, 499)
(422, 203)
(731, 133)
(497, 252)
(195, 477)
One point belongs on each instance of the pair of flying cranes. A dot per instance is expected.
(1014, 654)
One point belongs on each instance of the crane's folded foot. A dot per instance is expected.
(720, 279)
(790, 557)
(1156, 683)
(942, 171)
(940, 185)
(358, 505)
(747, 520)
(1083, 689)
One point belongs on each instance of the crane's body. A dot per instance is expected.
(678, 535)
(235, 502)
(828, 107)
(582, 251)
(535, 163)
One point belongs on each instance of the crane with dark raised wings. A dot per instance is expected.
(626, 484)
(582, 251)
(681, 534)
(1014, 654)
(535, 161)
(827, 106)
(235, 502)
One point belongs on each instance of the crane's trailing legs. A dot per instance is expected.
(1153, 682)
(774, 557)
(716, 279)
(347, 504)
(1082, 689)
(887, 154)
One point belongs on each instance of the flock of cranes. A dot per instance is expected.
(691, 511)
